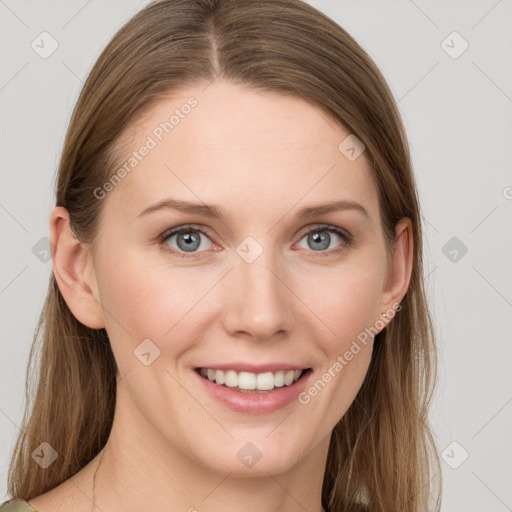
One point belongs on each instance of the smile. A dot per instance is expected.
(247, 382)
(282, 388)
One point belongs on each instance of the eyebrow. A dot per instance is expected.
(215, 212)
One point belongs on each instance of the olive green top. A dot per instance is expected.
(16, 505)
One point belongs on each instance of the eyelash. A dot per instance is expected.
(345, 236)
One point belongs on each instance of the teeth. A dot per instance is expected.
(245, 381)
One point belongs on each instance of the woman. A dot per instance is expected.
(236, 315)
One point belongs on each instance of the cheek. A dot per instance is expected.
(348, 304)
(349, 308)
(144, 298)
(346, 300)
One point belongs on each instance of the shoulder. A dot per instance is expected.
(64, 497)
(16, 505)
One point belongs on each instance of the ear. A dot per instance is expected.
(399, 269)
(74, 272)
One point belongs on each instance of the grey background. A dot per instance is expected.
(457, 112)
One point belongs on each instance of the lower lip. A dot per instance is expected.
(256, 403)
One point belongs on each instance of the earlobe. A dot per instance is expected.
(72, 267)
(400, 268)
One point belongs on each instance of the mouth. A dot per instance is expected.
(253, 383)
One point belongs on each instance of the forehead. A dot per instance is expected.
(249, 150)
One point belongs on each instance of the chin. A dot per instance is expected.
(257, 458)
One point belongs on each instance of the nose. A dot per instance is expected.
(258, 302)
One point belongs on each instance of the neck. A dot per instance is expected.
(140, 470)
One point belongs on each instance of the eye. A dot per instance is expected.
(320, 238)
(188, 239)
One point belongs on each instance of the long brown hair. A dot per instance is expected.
(382, 452)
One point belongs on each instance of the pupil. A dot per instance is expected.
(190, 239)
(319, 238)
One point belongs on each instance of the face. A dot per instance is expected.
(261, 283)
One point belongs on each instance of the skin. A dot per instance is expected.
(260, 157)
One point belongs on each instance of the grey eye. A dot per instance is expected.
(187, 240)
(319, 239)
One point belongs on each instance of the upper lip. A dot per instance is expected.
(254, 368)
